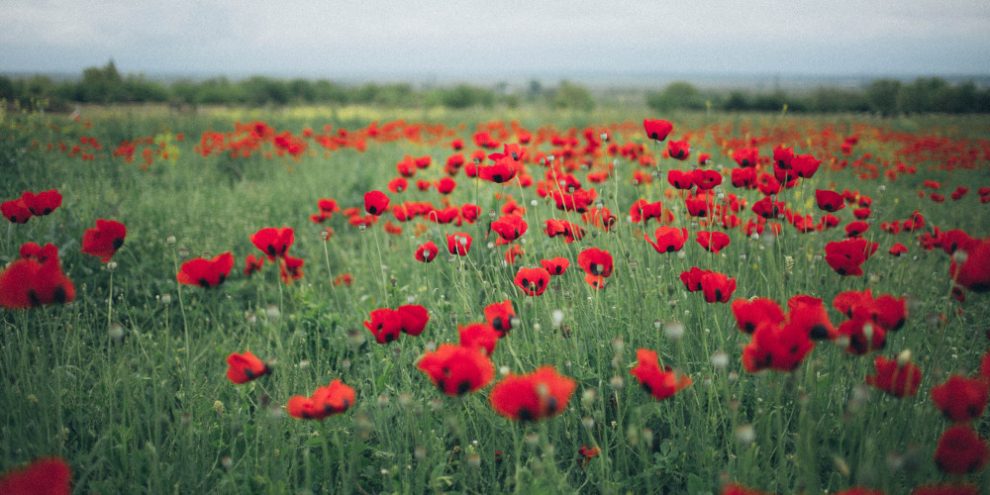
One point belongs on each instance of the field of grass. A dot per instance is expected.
(130, 388)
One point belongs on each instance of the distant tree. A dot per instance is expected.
(883, 96)
(677, 95)
(572, 96)
(101, 85)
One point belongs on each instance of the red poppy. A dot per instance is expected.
(41, 254)
(509, 227)
(479, 335)
(459, 243)
(974, 273)
(446, 185)
(680, 179)
(42, 203)
(504, 170)
(274, 242)
(657, 129)
(588, 453)
(661, 383)
(746, 157)
(398, 185)
(777, 347)
(426, 252)
(457, 370)
(27, 283)
(641, 211)
(960, 398)
(375, 202)
(49, 476)
(768, 208)
(960, 451)
(805, 166)
(899, 380)
(717, 287)
(242, 368)
(206, 273)
(829, 201)
(706, 179)
(538, 395)
(556, 266)
(595, 262)
(290, 269)
(343, 279)
(864, 335)
(328, 206)
(16, 210)
(946, 490)
(807, 315)
(734, 489)
(532, 281)
(857, 228)
(569, 230)
(743, 178)
(470, 212)
(334, 398)
(104, 240)
(578, 201)
(847, 256)
(499, 316)
(679, 150)
(898, 249)
(385, 324)
(712, 241)
(599, 217)
(750, 313)
(253, 264)
(412, 318)
(668, 239)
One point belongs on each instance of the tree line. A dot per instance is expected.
(106, 85)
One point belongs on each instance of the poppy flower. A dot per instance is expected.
(334, 398)
(829, 201)
(946, 490)
(459, 243)
(578, 201)
(805, 166)
(768, 208)
(412, 318)
(680, 179)
(274, 242)
(532, 397)
(42, 203)
(960, 398)
(960, 451)
(734, 489)
(49, 476)
(746, 157)
(446, 185)
(743, 178)
(750, 313)
(253, 264)
(777, 347)
(27, 283)
(717, 287)
(657, 129)
(16, 210)
(974, 273)
(426, 252)
(242, 368)
(290, 269)
(661, 383)
(668, 239)
(398, 185)
(509, 227)
(556, 266)
(706, 179)
(503, 170)
(457, 370)
(600, 217)
(479, 335)
(679, 150)
(569, 230)
(857, 228)
(104, 240)
(41, 254)
(499, 316)
(470, 212)
(532, 281)
(588, 453)
(375, 202)
(863, 334)
(206, 273)
(595, 262)
(897, 249)
(895, 378)
(847, 256)
(641, 211)
(343, 279)
(385, 324)
(712, 241)
(807, 315)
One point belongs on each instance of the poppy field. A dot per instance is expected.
(540, 302)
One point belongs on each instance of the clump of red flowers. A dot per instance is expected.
(457, 370)
(242, 368)
(661, 383)
(35, 279)
(538, 395)
(204, 272)
(334, 398)
(104, 239)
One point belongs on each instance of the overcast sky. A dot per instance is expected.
(448, 38)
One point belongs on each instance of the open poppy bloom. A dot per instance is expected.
(657, 129)
(426, 252)
(42, 203)
(479, 335)
(829, 201)
(974, 273)
(538, 395)
(206, 273)
(532, 281)
(446, 185)
(746, 157)
(897, 249)
(680, 179)
(104, 240)
(960, 398)
(668, 239)
(290, 269)
(960, 451)
(717, 287)
(412, 319)
(571, 231)
(28, 282)
(641, 211)
(499, 315)
(679, 150)
(847, 256)
(712, 241)
(457, 370)
(899, 380)
(16, 211)
(242, 368)
(556, 266)
(661, 383)
(274, 242)
(41, 254)
(253, 264)
(385, 324)
(750, 313)
(706, 179)
(50, 476)
(504, 170)
(459, 243)
(595, 262)
(334, 398)
(777, 347)
(509, 227)
(375, 202)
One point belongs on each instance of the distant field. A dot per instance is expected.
(128, 382)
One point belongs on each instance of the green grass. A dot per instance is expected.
(152, 412)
